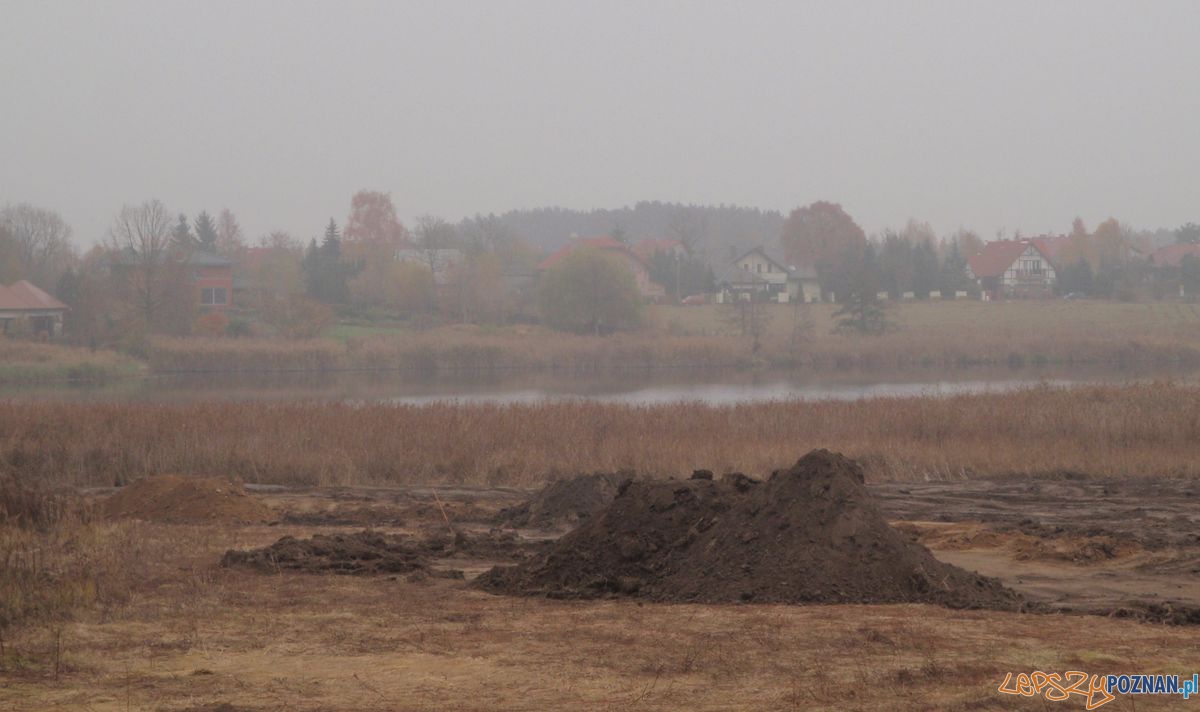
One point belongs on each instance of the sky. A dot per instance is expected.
(988, 115)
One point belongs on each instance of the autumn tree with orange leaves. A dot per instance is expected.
(824, 236)
(372, 228)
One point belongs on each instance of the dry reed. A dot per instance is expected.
(1136, 430)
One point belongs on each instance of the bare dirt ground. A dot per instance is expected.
(200, 636)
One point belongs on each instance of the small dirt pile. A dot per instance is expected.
(494, 545)
(362, 553)
(563, 504)
(176, 499)
(809, 534)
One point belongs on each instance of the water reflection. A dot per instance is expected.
(633, 387)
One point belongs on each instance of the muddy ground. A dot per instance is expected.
(1071, 542)
(196, 635)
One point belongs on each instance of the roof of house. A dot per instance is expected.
(1051, 245)
(645, 249)
(208, 259)
(999, 255)
(595, 243)
(735, 275)
(25, 296)
(794, 271)
(193, 258)
(1172, 255)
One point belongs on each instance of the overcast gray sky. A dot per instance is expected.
(988, 115)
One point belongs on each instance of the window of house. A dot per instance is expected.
(213, 296)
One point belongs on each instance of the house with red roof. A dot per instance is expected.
(611, 246)
(1013, 268)
(1173, 255)
(24, 300)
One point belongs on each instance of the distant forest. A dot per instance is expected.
(710, 229)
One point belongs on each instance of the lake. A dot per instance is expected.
(632, 387)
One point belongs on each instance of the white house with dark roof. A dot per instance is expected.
(762, 275)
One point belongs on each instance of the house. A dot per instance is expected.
(1013, 268)
(762, 275)
(611, 246)
(209, 275)
(24, 300)
(439, 261)
(212, 279)
(1173, 255)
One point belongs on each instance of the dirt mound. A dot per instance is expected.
(363, 553)
(491, 546)
(809, 534)
(177, 499)
(565, 503)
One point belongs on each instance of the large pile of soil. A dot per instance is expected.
(563, 504)
(177, 500)
(809, 534)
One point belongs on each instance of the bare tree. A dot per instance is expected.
(42, 242)
(748, 317)
(433, 236)
(230, 240)
(140, 241)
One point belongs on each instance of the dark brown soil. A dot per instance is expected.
(563, 504)
(176, 499)
(809, 534)
(361, 553)
(368, 552)
(494, 545)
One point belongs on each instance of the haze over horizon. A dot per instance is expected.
(1014, 115)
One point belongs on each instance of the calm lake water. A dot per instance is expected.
(635, 387)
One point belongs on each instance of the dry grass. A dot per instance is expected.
(967, 333)
(212, 637)
(1137, 430)
(945, 334)
(23, 361)
(451, 349)
(54, 562)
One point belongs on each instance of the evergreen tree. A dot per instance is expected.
(953, 275)
(861, 312)
(925, 269)
(326, 276)
(181, 235)
(206, 232)
(331, 245)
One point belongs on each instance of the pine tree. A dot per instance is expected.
(331, 246)
(862, 312)
(206, 232)
(181, 235)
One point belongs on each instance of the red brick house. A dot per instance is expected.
(212, 280)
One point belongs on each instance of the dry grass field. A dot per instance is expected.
(930, 334)
(24, 361)
(164, 627)
(1135, 430)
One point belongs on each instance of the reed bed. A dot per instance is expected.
(1135, 431)
(450, 350)
(946, 334)
(35, 362)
